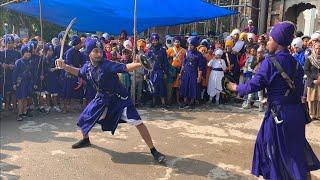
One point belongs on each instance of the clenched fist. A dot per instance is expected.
(60, 64)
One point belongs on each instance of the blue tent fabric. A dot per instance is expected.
(112, 16)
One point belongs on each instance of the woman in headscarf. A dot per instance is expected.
(312, 70)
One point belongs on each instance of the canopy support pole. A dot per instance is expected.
(40, 20)
(133, 84)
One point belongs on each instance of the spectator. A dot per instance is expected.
(250, 28)
(312, 70)
(298, 52)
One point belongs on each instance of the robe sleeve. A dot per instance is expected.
(15, 73)
(223, 64)
(83, 72)
(165, 61)
(114, 67)
(210, 63)
(69, 57)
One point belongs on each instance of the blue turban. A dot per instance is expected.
(26, 48)
(176, 38)
(75, 40)
(194, 41)
(61, 34)
(283, 33)
(205, 43)
(154, 36)
(48, 47)
(7, 39)
(33, 43)
(92, 43)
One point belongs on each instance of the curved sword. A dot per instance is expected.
(65, 36)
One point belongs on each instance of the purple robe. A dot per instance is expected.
(160, 68)
(189, 87)
(112, 97)
(281, 150)
(23, 78)
(52, 77)
(74, 58)
(7, 57)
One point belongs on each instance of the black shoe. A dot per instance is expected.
(20, 117)
(184, 106)
(28, 114)
(164, 106)
(42, 110)
(193, 106)
(159, 157)
(82, 143)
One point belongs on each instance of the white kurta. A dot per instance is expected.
(214, 85)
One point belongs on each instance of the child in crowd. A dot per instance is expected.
(248, 74)
(52, 87)
(23, 81)
(218, 66)
(125, 77)
(255, 67)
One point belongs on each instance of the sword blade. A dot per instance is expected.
(65, 36)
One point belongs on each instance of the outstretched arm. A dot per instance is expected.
(70, 69)
(258, 82)
(132, 66)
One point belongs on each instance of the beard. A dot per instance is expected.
(96, 60)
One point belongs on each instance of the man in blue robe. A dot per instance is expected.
(112, 104)
(281, 150)
(191, 73)
(22, 77)
(75, 59)
(7, 60)
(58, 48)
(160, 70)
(33, 100)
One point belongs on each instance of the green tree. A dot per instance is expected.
(18, 20)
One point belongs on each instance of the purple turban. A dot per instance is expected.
(194, 41)
(26, 48)
(48, 47)
(91, 43)
(7, 39)
(154, 36)
(283, 33)
(75, 40)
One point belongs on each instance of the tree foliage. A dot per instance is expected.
(18, 20)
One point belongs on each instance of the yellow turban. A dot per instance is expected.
(243, 36)
(229, 43)
(141, 43)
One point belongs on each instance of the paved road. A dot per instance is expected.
(209, 143)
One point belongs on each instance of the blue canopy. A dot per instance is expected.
(112, 16)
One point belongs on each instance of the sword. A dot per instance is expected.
(275, 117)
(65, 37)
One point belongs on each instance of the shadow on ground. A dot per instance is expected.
(185, 166)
